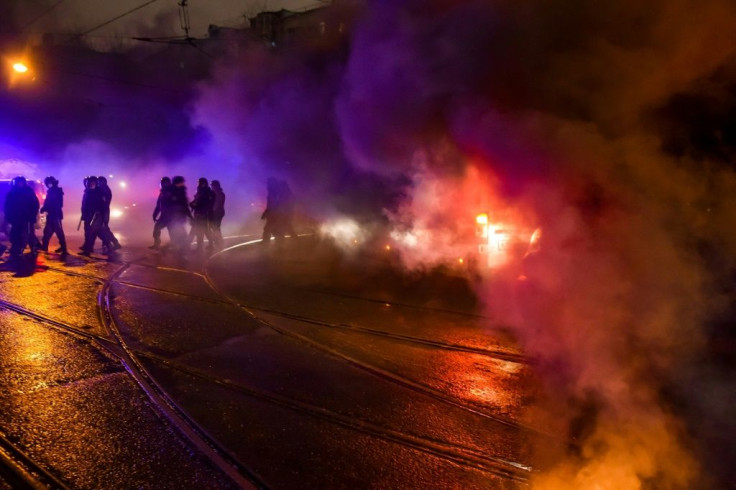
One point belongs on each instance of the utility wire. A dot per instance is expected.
(201, 50)
(42, 14)
(117, 18)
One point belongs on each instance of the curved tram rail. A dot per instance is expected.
(22, 469)
(218, 455)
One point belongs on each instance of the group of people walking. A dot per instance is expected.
(96, 216)
(205, 213)
(173, 211)
(22, 209)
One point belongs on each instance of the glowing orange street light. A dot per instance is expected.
(19, 70)
(20, 67)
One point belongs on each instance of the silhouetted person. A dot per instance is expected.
(160, 219)
(21, 210)
(175, 206)
(106, 235)
(218, 213)
(201, 213)
(52, 206)
(93, 211)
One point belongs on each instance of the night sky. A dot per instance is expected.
(160, 18)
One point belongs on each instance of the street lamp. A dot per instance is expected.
(19, 71)
(20, 67)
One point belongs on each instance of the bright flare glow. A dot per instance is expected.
(409, 239)
(20, 67)
(123, 185)
(481, 225)
(344, 231)
(116, 213)
(497, 240)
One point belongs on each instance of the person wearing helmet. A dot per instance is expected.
(93, 209)
(21, 209)
(175, 207)
(160, 219)
(52, 206)
(202, 212)
(106, 235)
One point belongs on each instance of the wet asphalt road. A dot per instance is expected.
(291, 365)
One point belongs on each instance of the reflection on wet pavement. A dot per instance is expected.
(71, 408)
(358, 377)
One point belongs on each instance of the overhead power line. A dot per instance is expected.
(42, 14)
(117, 18)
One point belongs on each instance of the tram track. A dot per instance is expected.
(515, 471)
(130, 359)
(21, 472)
(491, 353)
(452, 452)
(207, 444)
(378, 372)
(384, 374)
(164, 404)
(197, 435)
(447, 450)
(253, 312)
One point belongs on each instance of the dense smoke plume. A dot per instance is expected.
(610, 127)
(568, 118)
(562, 108)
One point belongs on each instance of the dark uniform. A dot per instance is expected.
(175, 207)
(21, 209)
(52, 206)
(93, 210)
(202, 213)
(106, 235)
(160, 219)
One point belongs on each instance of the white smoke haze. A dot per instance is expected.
(346, 233)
